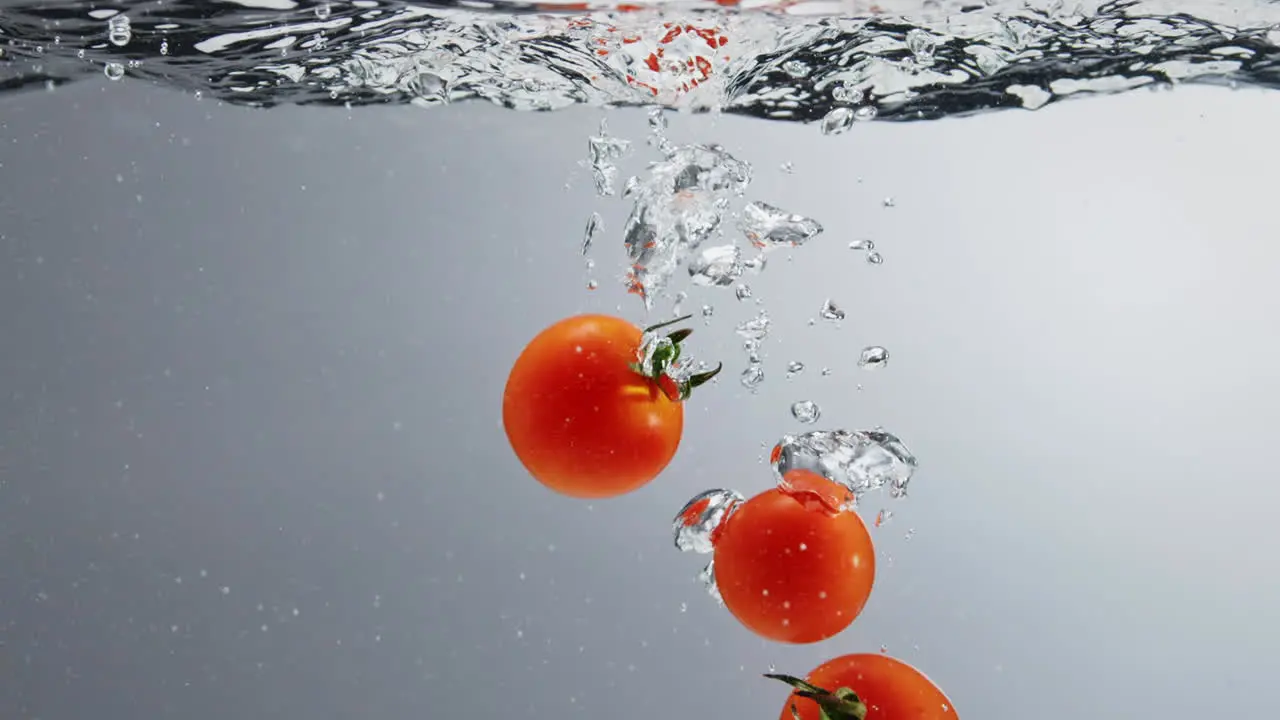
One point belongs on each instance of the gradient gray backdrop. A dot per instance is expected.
(251, 463)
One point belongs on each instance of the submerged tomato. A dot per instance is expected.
(791, 565)
(581, 416)
(885, 688)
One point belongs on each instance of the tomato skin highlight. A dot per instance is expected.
(579, 419)
(791, 566)
(890, 688)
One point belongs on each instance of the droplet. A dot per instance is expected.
(113, 70)
(831, 311)
(795, 367)
(323, 11)
(752, 376)
(864, 245)
(743, 291)
(698, 523)
(806, 411)
(837, 121)
(875, 258)
(119, 31)
(866, 113)
(767, 226)
(720, 265)
(873, 357)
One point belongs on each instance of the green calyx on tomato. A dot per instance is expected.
(843, 704)
(659, 355)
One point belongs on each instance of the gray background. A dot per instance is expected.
(251, 463)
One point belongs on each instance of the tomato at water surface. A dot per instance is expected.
(889, 688)
(581, 419)
(791, 565)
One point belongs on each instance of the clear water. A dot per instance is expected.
(693, 223)
(831, 62)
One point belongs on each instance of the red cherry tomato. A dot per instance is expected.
(889, 689)
(792, 566)
(582, 418)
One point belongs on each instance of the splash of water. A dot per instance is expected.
(834, 62)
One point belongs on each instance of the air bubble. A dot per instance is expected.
(873, 357)
(837, 121)
(806, 411)
(699, 522)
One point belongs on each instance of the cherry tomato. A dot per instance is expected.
(791, 565)
(887, 688)
(582, 416)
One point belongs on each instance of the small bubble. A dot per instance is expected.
(80, 53)
(806, 411)
(846, 94)
(883, 517)
(119, 32)
(875, 258)
(323, 11)
(795, 68)
(708, 311)
(795, 367)
(164, 47)
(889, 202)
(752, 377)
(742, 292)
(831, 311)
(864, 245)
(865, 113)
(910, 534)
(787, 167)
(684, 607)
(826, 371)
(755, 264)
(873, 357)
(226, 590)
(592, 284)
(921, 44)
(837, 121)
(113, 70)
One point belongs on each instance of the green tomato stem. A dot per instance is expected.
(843, 704)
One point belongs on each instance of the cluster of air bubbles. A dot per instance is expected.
(860, 460)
